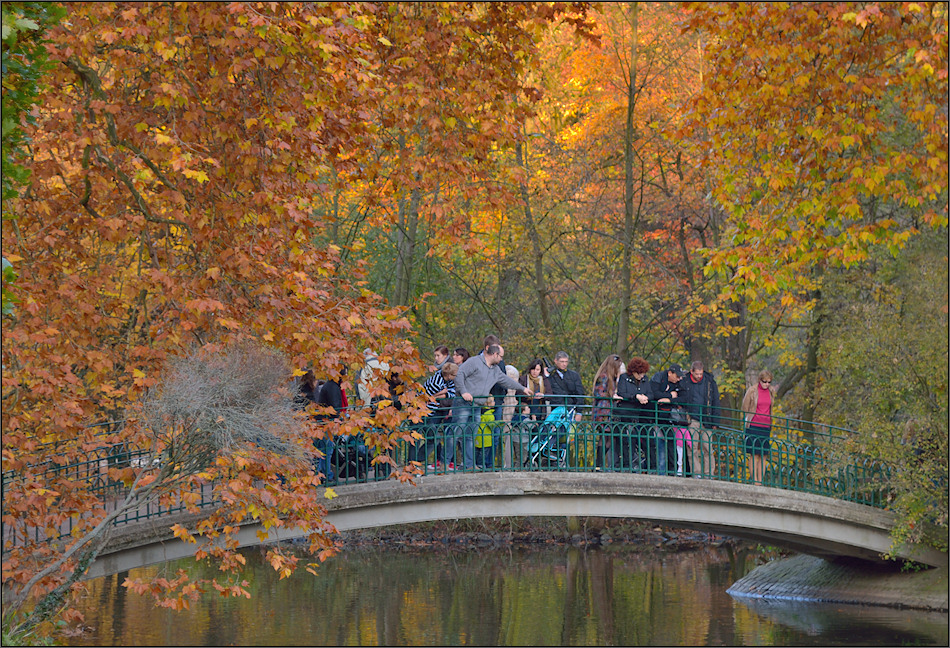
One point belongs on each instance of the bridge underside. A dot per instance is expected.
(803, 522)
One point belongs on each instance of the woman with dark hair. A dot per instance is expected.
(757, 407)
(306, 391)
(605, 386)
(460, 355)
(633, 413)
(534, 378)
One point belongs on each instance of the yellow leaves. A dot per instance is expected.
(162, 49)
(139, 378)
(181, 532)
(200, 176)
(204, 305)
(162, 138)
(329, 494)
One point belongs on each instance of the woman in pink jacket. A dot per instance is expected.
(757, 407)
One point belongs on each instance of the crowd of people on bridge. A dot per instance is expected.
(659, 423)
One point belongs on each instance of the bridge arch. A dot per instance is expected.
(803, 522)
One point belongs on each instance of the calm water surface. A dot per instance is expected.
(520, 597)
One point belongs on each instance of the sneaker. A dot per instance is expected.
(430, 467)
(451, 466)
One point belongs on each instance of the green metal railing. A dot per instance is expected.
(800, 456)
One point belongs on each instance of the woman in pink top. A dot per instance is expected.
(757, 407)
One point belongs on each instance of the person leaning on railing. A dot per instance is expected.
(633, 416)
(474, 381)
(665, 391)
(605, 388)
(440, 388)
(701, 398)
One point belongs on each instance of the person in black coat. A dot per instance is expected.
(329, 395)
(566, 383)
(666, 392)
(634, 416)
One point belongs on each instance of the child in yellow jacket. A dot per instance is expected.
(484, 451)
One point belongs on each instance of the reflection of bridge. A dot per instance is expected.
(801, 521)
(811, 500)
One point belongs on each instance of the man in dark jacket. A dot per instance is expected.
(701, 395)
(329, 395)
(566, 383)
(665, 391)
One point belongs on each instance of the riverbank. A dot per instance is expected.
(807, 578)
(586, 532)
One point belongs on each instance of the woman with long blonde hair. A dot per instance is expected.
(605, 388)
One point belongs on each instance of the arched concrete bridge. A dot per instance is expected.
(803, 522)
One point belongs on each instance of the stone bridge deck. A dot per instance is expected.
(804, 522)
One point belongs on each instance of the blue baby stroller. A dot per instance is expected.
(548, 444)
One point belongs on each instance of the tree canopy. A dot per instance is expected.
(194, 184)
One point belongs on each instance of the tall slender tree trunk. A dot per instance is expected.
(406, 235)
(540, 285)
(628, 220)
(812, 347)
(407, 230)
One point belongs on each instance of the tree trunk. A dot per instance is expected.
(540, 285)
(812, 346)
(406, 233)
(628, 220)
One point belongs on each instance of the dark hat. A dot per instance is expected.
(678, 370)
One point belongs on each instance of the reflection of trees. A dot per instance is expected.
(600, 566)
(545, 596)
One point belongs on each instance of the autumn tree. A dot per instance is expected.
(177, 159)
(825, 134)
(826, 126)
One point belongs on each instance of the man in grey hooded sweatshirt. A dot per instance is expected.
(474, 381)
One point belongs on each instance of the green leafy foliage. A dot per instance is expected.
(24, 62)
(885, 376)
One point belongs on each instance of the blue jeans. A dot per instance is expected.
(465, 417)
(323, 464)
(485, 457)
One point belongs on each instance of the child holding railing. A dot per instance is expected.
(484, 449)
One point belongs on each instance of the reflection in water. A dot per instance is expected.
(538, 597)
